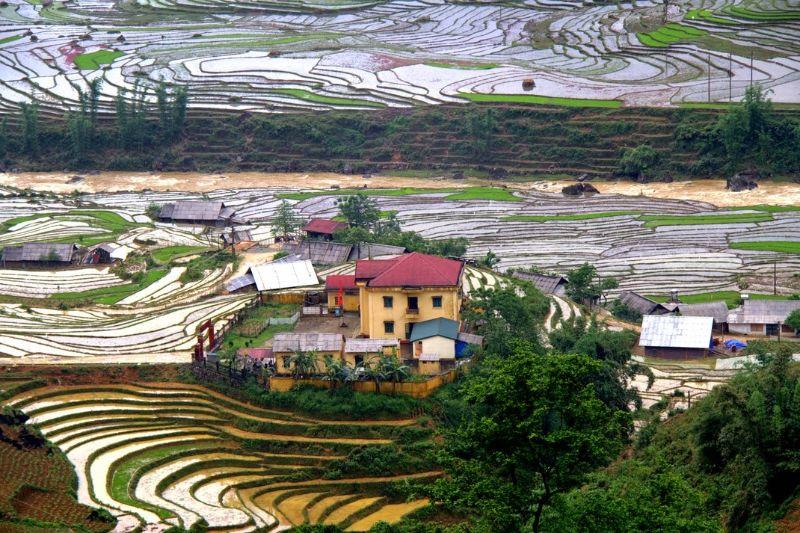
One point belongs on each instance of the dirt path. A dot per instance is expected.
(711, 191)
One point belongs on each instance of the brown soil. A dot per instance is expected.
(199, 182)
(711, 191)
(791, 522)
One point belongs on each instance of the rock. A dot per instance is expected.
(75, 179)
(584, 177)
(743, 181)
(458, 175)
(498, 172)
(579, 189)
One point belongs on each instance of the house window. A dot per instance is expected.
(413, 303)
(286, 359)
(388, 327)
(437, 301)
(359, 360)
(388, 301)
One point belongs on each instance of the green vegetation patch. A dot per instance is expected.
(788, 247)
(669, 34)
(540, 100)
(10, 38)
(706, 15)
(93, 60)
(731, 298)
(654, 221)
(251, 332)
(469, 193)
(111, 222)
(485, 193)
(168, 253)
(111, 295)
(309, 96)
(776, 15)
(565, 218)
(769, 208)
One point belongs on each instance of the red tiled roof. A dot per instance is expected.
(411, 270)
(367, 269)
(334, 282)
(323, 225)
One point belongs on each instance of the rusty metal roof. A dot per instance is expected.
(307, 342)
(355, 345)
(546, 284)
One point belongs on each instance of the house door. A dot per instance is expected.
(772, 329)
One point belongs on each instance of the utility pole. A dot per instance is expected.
(730, 77)
(708, 60)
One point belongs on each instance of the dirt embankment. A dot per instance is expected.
(711, 191)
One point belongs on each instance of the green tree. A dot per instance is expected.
(537, 428)
(507, 316)
(30, 127)
(4, 137)
(584, 286)
(793, 320)
(94, 102)
(284, 222)
(639, 161)
(490, 260)
(303, 364)
(359, 210)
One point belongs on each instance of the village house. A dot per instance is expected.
(716, 310)
(397, 293)
(676, 337)
(434, 341)
(342, 292)
(275, 276)
(106, 253)
(205, 212)
(358, 351)
(762, 317)
(231, 238)
(285, 345)
(322, 228)
(555, 285)
(643, 305)
(39, 255)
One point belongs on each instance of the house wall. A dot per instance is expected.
(442, 346)
(374, 314)
(351, 300)
(282, 365)
(676, 353)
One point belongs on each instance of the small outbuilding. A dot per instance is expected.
(716, 310)
(555, 285)
(322, 228)
(642, 304)
(342, 292)
(434, 338)
(358, 351)
(762, 317)
(274, 276)
(206, 212)
(285, 345)
(676, 337)
(230, 238)
(107, 253)
(39, 255)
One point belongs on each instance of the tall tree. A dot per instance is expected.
(359, 210)
(30, 127)
(285, 223)
(585, 287)
(94, 103)
(537, 428)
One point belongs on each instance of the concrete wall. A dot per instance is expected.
(374, 314)
(442, 346)
(676, 353)
(351, 300)
(282, 365)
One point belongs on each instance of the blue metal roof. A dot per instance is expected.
(441, 327)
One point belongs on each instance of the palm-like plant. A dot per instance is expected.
(303, 364)
(394, 370)
(373, 370)
(333, 370)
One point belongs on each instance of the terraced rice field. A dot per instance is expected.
(171, 454)
(290, 55)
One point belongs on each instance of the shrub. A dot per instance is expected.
(638, 161)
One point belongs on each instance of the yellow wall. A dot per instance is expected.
(280, 368)
(374, 314)
(351, 301)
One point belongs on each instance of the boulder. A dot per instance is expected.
(579, 189)
(743, 181)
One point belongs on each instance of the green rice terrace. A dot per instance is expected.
(175, 454)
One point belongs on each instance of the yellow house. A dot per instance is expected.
(360, 351)
(397, 293)
(285, 345)
(342, 291)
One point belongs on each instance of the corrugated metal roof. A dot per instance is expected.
(367, 250)
(40, 252)
(307, 342)
(411, 270)
(763, 311)
(197, 210)
(340, 281)
(240, 282)
(546, 284)
(717, 310)
(324, 225)
(470, 338)
(354, 345)
(436, 327)
(321, 252)
(283, 275)
(670, 331)
(238, 236)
